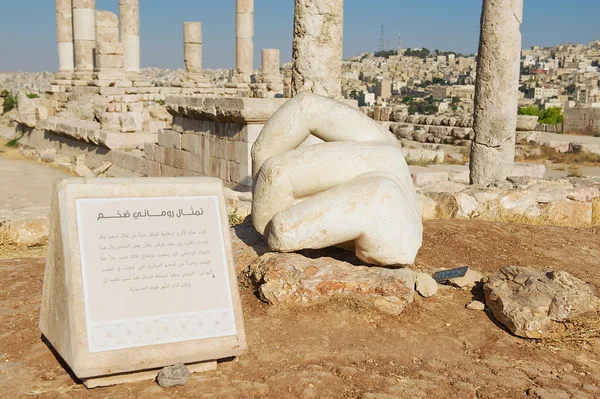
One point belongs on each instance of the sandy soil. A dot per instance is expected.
(435, 349)
(24, 182)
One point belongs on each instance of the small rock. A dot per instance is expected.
(83, 171)
(533, 303)
(476, 305)
(467, 281)
(102, 168)
(47, 158)
(80, 160)
(171, 376)
(426, 285)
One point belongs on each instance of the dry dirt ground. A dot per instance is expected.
(435, 349)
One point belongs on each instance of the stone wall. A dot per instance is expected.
(210, 137)
(582, 120)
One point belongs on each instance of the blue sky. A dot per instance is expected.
(28, 31)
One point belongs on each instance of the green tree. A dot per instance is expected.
(10, 101)
(531, 111)
(551, 116)
(386, 53)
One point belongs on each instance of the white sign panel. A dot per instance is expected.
(154, 271)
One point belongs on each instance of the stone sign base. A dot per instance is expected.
(146, 375)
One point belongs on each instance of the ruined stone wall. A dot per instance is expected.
(210, 137)
(582, 120)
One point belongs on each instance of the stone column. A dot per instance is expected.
(192, 47)
(270, 62)
(270, 71)
(244, 32)
(109, 52)
(317, 47)
(64, 36)
(84, 37)
(129, 12)
(496, 91)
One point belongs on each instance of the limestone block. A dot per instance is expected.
(106, 19)
(293, 196)
(153, 169)
(109, 48)
(28, 233)
(526, 123)
(535, 303)
(109, 61)
(135, 107)
(428, 207)
(293, 280)
(421, 177)
(133, 98)
(111, 121)
(131, 121)
(107, 35)
(84, 3)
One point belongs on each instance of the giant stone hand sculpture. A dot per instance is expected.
(354, 190)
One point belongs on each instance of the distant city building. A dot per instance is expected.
(383, 89)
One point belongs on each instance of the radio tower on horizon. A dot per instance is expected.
(399, 43)
(382, 40)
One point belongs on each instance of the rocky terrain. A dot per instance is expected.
(36, 82)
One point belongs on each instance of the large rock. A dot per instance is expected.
(533, 303)
(526, 123)
(289, 280)
(27, 233)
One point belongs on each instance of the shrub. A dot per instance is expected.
(10, 101)
(32, 95)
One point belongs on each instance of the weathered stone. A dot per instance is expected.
(317, 47)
(468, 281)
(428, 207)
(426, 285)
(175, 375)
(526, 123)
(475, 305)
(29, 233)
(289, 280)
(83, 171)
(496, 93)
(533, 303)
